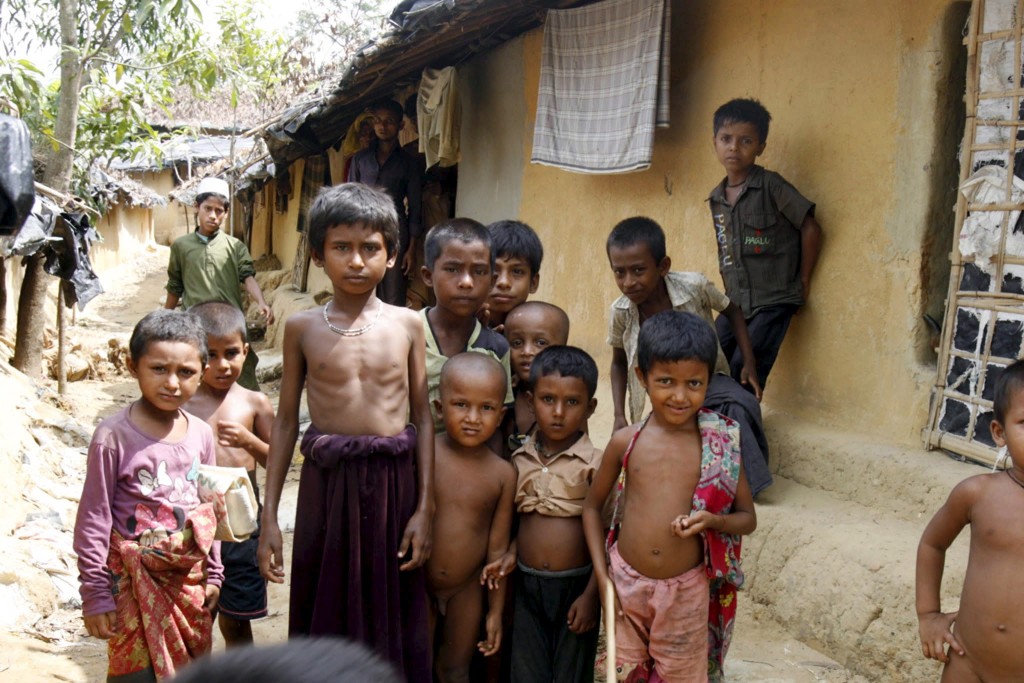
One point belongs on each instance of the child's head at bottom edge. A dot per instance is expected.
(167, 354)
(563, 381)
(227, 340)
(1008, 412)
(676, 355)
(297, 661)
(472, 398)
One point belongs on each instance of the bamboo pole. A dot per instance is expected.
(62, 371)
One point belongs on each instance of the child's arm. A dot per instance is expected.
(256, 442)
(934, 625)
(282, 443)
(253, 288)
(593, 505)
(748, 375)
(418, 532)
(497, 545)
(742, 520)
(584, 612)
(92, 540)
(618, 378)
(810, 248)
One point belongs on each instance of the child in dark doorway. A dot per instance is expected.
(141, 499)
(681, 506)
(366, 493)
(210, 265)
(460, 269)
(642, 270)
(530, 328)
(984, 636)
(517, 257)
(473, 520)
(554, 634)
(768, 239)
(241, 421)
(387, 166)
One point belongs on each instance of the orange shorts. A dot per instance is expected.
(664, 627)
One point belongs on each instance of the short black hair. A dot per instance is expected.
(565, 361)
(167, 325)
(1011, 380)
(465, 230)
(353, 204)
(299, 660)
(638, 230)
(515, 239)
(473, 362)
(200, 198)
(672, 336)
(744, 110)
(221, 319)
(387, 104)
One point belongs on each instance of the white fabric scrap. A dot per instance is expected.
(603, 86)
(999, 15)
(981, 236)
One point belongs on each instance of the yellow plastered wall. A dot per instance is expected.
(856, 92)
(125, 231)
(169, 222)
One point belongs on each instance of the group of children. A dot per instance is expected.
(451, 502)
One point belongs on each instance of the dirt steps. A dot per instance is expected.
(833, 557)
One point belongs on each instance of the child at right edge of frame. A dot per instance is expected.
(681, 505)
(984, 636)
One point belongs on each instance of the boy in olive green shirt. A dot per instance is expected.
(209, 265)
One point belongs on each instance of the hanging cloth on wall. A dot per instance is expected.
(439, 116)
(604, 81)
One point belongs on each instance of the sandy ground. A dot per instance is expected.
(762, 651)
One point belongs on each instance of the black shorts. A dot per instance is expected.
(243, 596)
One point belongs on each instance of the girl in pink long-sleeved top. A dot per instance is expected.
(149, 568)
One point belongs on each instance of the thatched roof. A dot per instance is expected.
(428, 33)
(203, 149)
(113, 187)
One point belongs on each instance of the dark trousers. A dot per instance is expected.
(767, 328)
(392, 288)
(544, 650)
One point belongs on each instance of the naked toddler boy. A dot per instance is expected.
(984, 636)
(474, 513)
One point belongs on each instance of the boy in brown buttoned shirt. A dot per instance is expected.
(556, 601)
(768, 239)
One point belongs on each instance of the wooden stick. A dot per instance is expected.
(609, 630)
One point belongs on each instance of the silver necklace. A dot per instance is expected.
(350, 332)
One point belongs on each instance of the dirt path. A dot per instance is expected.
(762, 652)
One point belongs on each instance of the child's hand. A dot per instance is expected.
(212, 597)
(417, 536)
(748, 376)
(495, 572)
(698, 521)
(268, 313)
(583, 613)
(233, 434)
(936, 633)
(269, 552)
(408, 263)
(101, 625)
(493, 643)
(619, 423)
(483, 314)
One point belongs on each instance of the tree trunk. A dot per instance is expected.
(28, 346)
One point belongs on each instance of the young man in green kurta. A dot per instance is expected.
(209, 265)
